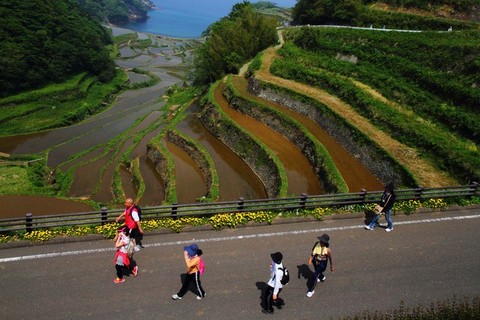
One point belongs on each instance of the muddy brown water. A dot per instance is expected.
(154, 190)
(236, 179)
(86, 178)
(300, 175)
(355, 175)
(95, 132)
(18, 206)
(189, 179)
(129, 188)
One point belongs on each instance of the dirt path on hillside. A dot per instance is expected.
(425, 173)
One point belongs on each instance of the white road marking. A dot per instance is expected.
(218, 239)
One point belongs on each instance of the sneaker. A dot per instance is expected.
(310, 294)
(267, 311)
(389, 229)
(318, 280)
(368, 228)
(199, 297)
(135, 271)
(176, 297)
(323, 279)
(118, 280)
(136, 248)
(278, 304)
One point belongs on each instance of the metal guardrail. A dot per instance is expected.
(30, 222)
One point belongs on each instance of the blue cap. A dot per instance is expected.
(191, 249)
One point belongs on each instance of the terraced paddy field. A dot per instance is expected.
(315, 139)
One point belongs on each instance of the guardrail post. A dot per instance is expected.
(241, 204)
(363, 195)
(104, 215)
(29, 222)
(174, 211)
(474, 186)
(303, 201)
(418, 193)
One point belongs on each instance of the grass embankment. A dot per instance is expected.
(57, 105)
(47, 108)
(315, 152)
(258, 156)
(203, 160)
(435, 153)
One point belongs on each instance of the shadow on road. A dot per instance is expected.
(262, 286)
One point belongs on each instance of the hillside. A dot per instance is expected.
(402, 104)
(117, 12)
(424, 105)
(47, 41)
(392, 14)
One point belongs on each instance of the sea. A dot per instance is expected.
(188, 18)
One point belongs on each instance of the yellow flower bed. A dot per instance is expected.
(219, 221)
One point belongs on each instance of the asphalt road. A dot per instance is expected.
(428, 257)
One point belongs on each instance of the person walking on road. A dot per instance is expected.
(321, 254)
(122, 260)
(132, 221)
(271, 297)
(192, 258)
(384, 206)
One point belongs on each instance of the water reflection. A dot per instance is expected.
(18, 206)
(189, 179)
(300, 175)
(236, 179)
(154, 189)
(355, 175)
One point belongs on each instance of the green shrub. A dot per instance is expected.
(451, 309)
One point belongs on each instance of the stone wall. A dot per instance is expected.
(292, 132)
(368, 153)
(245, 147)
(197, 156)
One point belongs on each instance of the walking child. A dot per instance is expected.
(122, 260)
(271, 297)
(320, 256)
(192, 258)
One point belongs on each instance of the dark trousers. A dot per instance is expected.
(121, 269)
(195, 279)
(137, 236)
(320, 267)
(268, 302)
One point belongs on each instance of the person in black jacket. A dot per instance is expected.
(385, 206)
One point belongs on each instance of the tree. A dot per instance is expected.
(47, 41)
(326, 11)
(231, 42)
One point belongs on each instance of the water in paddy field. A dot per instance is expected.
(188, 18)
(236, 179)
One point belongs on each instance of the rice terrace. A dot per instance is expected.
(311, 108)
(273, 127)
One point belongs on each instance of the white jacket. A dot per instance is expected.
(276, 275)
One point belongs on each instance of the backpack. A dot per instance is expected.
(286, 276)
(201, 266)
(139, 210)
(130, 248)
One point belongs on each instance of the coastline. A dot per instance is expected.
(118, 31)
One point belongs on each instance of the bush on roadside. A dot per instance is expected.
(465, 309)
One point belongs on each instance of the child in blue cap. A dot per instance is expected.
(192, 258)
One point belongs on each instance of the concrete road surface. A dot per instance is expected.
(427, 257)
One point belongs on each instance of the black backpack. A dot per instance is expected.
(139, 210)
(285, 277)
